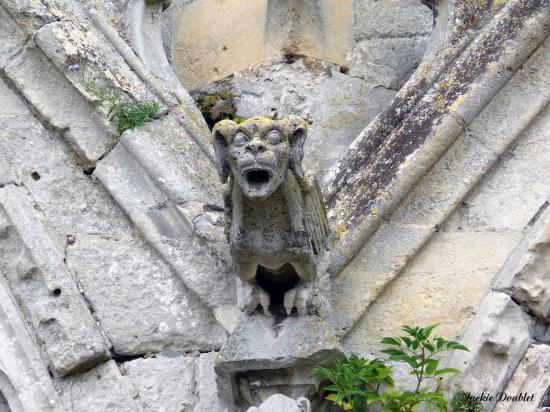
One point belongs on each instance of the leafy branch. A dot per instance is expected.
(357, 383)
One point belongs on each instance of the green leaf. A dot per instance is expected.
(407, 341)
(432, 366)
(429, 346)
(391, 341)
(332, 388)
(446, 370)
(427, 331)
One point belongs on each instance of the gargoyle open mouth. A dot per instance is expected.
(257, 178)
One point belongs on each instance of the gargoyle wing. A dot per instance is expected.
(315, 217)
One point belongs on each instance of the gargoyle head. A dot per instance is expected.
(258, 152)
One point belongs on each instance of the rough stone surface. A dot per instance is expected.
(163, 270)
(213, 394)
(170, 192)
(276, 403)
(164, 384)
(497, 336)
(526, 274)
(450, 263)
(124, 276)
(290, 348)
(24, 381)
(78, 120)
(38, 277)
(396, 150)
(103, 388)
(393, 18)
(532, 377)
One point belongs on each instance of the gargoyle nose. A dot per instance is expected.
(255, 147)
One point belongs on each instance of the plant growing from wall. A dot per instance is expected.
(220, 105)
(127, 114)
(357, 383)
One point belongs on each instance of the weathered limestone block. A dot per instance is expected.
(88, 61)
(50, 299)
(29, 14)
(76, 119)
(164, 384)
(394, 18)
(159, 176)
(387, 62)
(532, 378)
(102, 388)
(13, 37)
(526, 275)
(71, 202)
(141, 306)
(213, 394)
(498, 336)
(279, 403)
(267, 355)
(450, 265)
(24, 380)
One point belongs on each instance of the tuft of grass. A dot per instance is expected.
(128, 115)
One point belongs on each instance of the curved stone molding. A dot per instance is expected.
(417, 130)
(428, 206)
(171, 194)
(24, 380)
(51, 301)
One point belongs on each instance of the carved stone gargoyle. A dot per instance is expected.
(276, 223)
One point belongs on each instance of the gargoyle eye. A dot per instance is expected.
(273, 137)
(239, 139)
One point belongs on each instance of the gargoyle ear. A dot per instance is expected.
(221, 136)
(298, 129)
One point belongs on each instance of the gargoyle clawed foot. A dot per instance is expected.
(298, 298)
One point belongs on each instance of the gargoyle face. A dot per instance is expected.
(258, 152)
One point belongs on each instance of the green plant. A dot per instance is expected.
(357, 383)
(217, 106)
(463, 401)
(220, 105)
(127, 114)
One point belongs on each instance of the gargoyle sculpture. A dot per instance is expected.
(275, 218)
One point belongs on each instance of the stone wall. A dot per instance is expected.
(116, 285)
